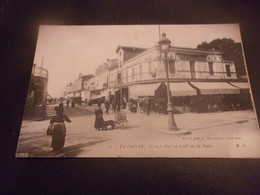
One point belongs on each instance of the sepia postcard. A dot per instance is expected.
(139, 91)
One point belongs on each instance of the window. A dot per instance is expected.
(172, 66)
(126, 76)
(133, 73)
(211, 71)
(228, 70)
(120, 64)
(140, 70)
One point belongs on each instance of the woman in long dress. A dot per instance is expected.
(58, 129)
(99, 121)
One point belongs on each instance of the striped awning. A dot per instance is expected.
(93, 97)
(142, 90)
(210, 88)
(182, 89)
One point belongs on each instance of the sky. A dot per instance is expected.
(67, 51)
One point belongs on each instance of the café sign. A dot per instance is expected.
(212, 58)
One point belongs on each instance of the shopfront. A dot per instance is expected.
(214, 96)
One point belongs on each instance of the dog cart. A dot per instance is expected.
(121, 120)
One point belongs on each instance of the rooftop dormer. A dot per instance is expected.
(125, 53)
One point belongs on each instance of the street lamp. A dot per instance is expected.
(165, 45)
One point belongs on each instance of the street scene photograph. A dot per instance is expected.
(139, 91)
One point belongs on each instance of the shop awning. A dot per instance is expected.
(210, 88)
(182, 89)
(94, 96)
(142, 90)
(241, 85)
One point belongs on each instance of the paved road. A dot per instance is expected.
(219, 134)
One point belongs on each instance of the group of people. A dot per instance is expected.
(142, 105)
(58, 128)
(116, 106)
(68, 101)
(99, 120)
(57, 125)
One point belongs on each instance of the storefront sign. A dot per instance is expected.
(214, 58)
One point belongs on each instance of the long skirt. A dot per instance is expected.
(58, 136)
(99, 122)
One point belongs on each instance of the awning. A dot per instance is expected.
(142, 90)
(182, 89)
(210, 88)
(93, 97)
(95, 94)
(241, 85)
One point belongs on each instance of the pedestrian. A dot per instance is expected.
(134, 106)
(156, 107)
(99, 121)
(114, 106)
(138, 107)
(148, 106)
(124, 103)
(58, 129)
(61, 105)
(107, 105)
(118, 107)
(73, 103)
(68, 102)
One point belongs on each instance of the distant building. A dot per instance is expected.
(76, 88)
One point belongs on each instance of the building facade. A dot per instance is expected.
(200, 80)
(77, 88)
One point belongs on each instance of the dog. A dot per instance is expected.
(107, 123)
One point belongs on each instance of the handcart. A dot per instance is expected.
(121, 120)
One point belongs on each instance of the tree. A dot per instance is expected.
(232, 51)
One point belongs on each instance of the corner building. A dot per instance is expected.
(200, 80)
